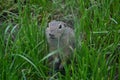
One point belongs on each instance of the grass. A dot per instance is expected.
(24, 50)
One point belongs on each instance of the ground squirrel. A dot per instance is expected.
(60, 36)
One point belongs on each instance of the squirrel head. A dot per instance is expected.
(56, 29)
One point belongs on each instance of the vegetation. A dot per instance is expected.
(23, 46)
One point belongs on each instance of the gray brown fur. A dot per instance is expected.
(60, 36)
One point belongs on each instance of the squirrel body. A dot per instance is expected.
(60, 36)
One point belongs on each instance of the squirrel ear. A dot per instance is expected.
(65, 24)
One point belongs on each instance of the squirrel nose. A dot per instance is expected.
(51, 35)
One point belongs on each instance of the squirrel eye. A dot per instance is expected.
(60, 26)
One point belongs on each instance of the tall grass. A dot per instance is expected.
(24, 50)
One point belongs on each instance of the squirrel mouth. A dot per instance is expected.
(52, 37)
